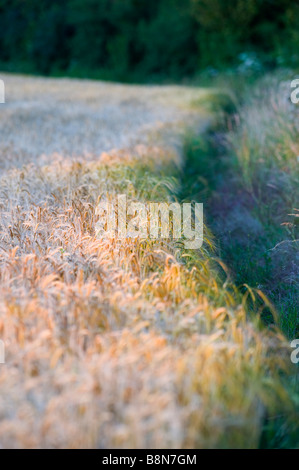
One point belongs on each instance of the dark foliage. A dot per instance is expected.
(141, 40)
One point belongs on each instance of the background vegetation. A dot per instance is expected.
(137, 40)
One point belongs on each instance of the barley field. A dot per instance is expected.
(112, 343)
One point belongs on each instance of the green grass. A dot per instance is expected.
(247, 173)
(245, 170)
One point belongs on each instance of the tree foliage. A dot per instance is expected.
(140, 40)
